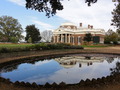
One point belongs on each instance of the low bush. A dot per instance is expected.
(4, 50)
(73, 47)
(40, 46)
(58, 46)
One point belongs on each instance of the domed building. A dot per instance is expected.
(70, 33)
(71, 61)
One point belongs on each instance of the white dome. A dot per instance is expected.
(68, 24)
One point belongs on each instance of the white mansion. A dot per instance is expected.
(70, 33)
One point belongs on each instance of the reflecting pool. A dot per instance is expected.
(69, 69)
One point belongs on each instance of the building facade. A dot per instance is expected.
(70, 33)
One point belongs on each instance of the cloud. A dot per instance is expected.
(42, 24)
(99, 14)
(42, 62)
(18, 2)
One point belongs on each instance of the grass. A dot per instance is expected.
(6, 48)
(26, 45)
(95, 46)
(14, 45)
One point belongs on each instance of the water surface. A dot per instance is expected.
(69, 69)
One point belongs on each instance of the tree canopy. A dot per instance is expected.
(116, 16)
(32, 34)
(88, 37)
(10, 29)
(111, 36)
(49, 6)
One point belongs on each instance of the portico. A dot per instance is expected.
(66, 38)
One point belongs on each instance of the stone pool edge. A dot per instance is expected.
(92, 83)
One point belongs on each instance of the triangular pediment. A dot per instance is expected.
(59, 30)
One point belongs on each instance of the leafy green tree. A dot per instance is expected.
(111, 36)
(118, 32)
(33, 33)
(88, 37)
(3, 38)
(14, 39)
(10, 28)
(49, 6)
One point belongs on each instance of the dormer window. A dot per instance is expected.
(74, 27)
(69, 27)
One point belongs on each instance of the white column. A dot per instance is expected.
(69, 38)
(61, 38)
(65, 38)
(78, 40)
(73, 40)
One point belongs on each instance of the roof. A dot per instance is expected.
(68, 24)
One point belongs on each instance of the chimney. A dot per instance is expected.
(88, 26)
(80, 24)
(91, 26)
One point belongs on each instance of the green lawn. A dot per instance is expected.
(4, 48)
(25, 45)
(14, 45)
(95, 46)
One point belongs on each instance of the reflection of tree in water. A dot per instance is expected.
(115, 70)
(110, 59)
(11, 67)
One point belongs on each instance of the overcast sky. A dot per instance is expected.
(76, 11)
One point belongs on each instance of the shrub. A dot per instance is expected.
(58, 46)
(62, 45)
(73, 47)
(52, 46)
(40, 46)
(4, 50)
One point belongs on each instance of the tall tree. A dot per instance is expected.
(49, 6)
(47, 35)
(32, 34)
(116, 16)
(10, 29)
(111, 36)
(88, 37)
(118, 32)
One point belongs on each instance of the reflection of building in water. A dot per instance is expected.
(70, 61)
